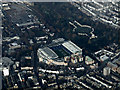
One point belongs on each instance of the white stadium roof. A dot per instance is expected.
(47, 53)
(71, 47)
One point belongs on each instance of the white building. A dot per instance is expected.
(6, 71)
(106, 71)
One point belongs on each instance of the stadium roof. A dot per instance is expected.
(72, 47)
(47, 53)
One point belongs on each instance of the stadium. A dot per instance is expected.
(60, 53)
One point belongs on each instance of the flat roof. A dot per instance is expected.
(72, 47)
(5, 71)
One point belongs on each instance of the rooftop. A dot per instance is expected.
(6, 61)
(89, 59)
(104, 57)
(71, 47)
(47, 52)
